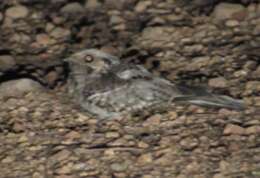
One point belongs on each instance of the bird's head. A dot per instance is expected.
(91, 61)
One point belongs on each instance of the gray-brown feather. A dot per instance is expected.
(115, 88)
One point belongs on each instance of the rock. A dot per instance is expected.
(197, 63)
(66, 169)
(51, 78)
(145, 158)
(116, 19)
(257, 100)
(61, 155)
(73, 135)
(58, 20)
(141, 6)
(18, 127)
(232, 23)
(154, 120)
(1, 17)
(115, 4)
(233, 129)
(44, 39)
(253, 130)
(192, 167)
(120, 27)
(7, 62)
(193, 49)
(224, 166)
(23, 138)
(15, 88)
(250, 65)
(37, 175)
(189, 143)
(219, 82)
(17, 12)
(112, 135)
(119, 167)
(59, 32)
(226, 10)
(218, 175)
(256, 30)
(240, 16)
(142, 144)
(8, 159)
(252, 87)
(92, 4)
(72, 8)
(49, 27)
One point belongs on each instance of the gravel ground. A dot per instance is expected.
(215, 44)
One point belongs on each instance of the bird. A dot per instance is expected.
(106, 87)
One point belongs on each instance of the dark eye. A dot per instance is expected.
(88, 58)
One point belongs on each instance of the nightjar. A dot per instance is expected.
(106, 87)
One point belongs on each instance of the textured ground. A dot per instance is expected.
(43, 134)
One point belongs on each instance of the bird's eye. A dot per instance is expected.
(88, 58)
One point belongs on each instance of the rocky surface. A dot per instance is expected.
(213, 43)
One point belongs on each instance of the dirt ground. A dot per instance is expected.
(210, 43)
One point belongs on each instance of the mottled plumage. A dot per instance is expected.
(106, 87)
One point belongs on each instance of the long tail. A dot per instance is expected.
(201, 97)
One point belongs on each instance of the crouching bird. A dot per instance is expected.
(106, 87)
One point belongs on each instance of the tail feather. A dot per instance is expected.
(212, 101)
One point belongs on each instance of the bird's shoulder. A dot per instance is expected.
(119, 76)
(130, 72)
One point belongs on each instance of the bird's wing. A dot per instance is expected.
(131, 72)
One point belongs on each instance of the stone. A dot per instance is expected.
(92, 4)
(257, 100)
(154, 120)
(7, 62)
(72, 8)
(233, 129)
(112, 135)
(193, 49)
(145, 158)
(257, 71)
(189, 143)
(51, 78)
(59, 32)
(61, 155)
(219, 82)
(141, 6)
(118, 167)
(240, 16)
(37, 175)
(1, 17)
(218, 175)
(142, 144)
(256, 30)
(23, 138)
(18, 127)
(8, 159)
(115, 19)
(226, 10)
(58, 20)
(44, 39)
(19, 87)
(73, 135)
(253, 130)
(16, 12)
(232, 23)
(193, 167)
(252, 86)
(66, 169)
(120, 27)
